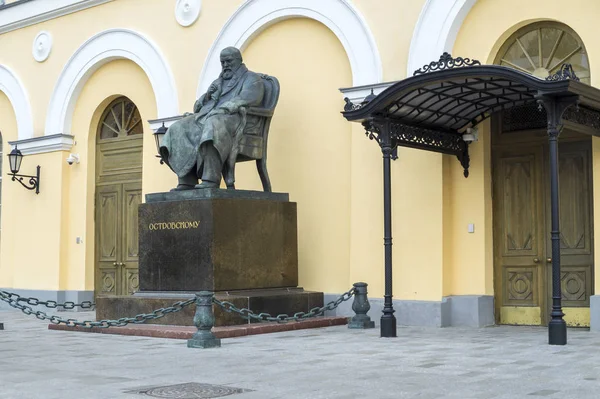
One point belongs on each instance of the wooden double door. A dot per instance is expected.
(522, 227)
(118, 195)
(117, 238)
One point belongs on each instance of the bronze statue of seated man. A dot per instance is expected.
(204, 145)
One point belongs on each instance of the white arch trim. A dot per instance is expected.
(100, 49)
(340, 16)
(11, 85)
(436, 30)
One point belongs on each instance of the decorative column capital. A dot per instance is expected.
(379, 130)
(555, 108)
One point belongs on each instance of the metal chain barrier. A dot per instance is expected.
(14, 301)
(248, 314)
(49, 304)
(204, 317)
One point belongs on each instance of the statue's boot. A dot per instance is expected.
(207, 184)
(187, 182)
(182, 187)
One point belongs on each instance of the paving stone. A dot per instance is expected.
(544, 392)
(489, 363)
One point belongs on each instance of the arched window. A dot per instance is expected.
(541, 48)
(120, 119)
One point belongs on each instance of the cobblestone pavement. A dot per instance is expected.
(334, 362)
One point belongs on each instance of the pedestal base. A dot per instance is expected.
(388, 326)
(557, 332)
(361, 324)
(204, 343)
(274, 301)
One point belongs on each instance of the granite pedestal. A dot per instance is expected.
(242, 245)
(209, 243)
(274, 301)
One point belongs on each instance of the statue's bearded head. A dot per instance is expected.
(231, 60)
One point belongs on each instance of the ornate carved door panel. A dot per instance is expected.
(519, 243)
(132, 197)
(108, 239)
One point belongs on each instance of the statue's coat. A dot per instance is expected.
(181, 144)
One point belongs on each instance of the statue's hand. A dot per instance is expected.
(197, 106)
(212, 88)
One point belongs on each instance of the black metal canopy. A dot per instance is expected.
(456, 98)
(434, 108)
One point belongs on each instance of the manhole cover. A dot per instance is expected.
(191, 390)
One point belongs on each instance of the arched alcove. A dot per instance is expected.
(99, 50)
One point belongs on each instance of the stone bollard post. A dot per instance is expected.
(361, 306)
(204, 320)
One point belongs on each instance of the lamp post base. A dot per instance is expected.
(388, 326)
(557, 332)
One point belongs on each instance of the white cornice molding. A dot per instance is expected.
(168, 121)
(34, 12)
(357, 94)
(40, 145)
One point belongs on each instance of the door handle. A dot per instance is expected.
(121, 264)
(115, 264)
(548, 260)
(536, 260)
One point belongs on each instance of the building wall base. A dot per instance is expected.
(595, 313)
(451, 311)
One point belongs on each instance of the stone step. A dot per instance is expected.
(185, 332)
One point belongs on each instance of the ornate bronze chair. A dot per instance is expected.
(253, 143)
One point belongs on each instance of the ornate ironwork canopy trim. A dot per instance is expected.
(566, 72)
(446, 62)
(531, 117)
(401, 135)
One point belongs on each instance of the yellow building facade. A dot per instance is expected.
(89, 81)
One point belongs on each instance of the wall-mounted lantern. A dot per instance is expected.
(14, 159)
(158, 137)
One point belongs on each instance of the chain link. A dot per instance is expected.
(14, 301)
(248, 314)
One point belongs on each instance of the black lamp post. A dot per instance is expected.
(14, 159)
(158, 137)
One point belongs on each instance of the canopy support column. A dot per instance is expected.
(555, 107)
(388, 320)
(380, 130)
